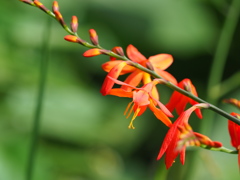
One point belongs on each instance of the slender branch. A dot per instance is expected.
(154, 74)
(221, 149)
(39, 102)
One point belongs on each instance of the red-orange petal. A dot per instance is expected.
(134, 54)
(160, 115)
(161, 61)
(114, 73)
(133, 79)
(234, 131)
(120, 93)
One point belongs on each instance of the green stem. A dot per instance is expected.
(221, 149)
(39, 102)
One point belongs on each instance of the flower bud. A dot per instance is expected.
(55, 6)
(74, 39)
(27, 2)
(92, 52)
(93, 36)
(59, 17)
(74, 24)
(40, 5)
(118, 50)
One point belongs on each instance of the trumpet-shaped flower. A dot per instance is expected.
(142, 98)
(179, 101)
(179, 136)
(158, 63)
(234, 131)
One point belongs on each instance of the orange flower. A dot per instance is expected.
(158, 63)
(142, 98)
(175, 135)
(234, 131)
(179, 101)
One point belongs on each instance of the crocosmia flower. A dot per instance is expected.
(234, 131)
(142, 98)
(158, 63)
(179, 101)
(179, 136)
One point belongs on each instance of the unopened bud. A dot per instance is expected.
(27, 2)
(40, 6)
(55, 6)
(74, 24)
(74, 39)
(93, 36)
(92, 52)
(59, 17)
(118, 50)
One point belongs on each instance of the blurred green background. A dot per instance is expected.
(83, 135)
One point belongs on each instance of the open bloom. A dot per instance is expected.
(234, 131)
(142, 98)
(177, 135)
(179, 101)
(158, 63)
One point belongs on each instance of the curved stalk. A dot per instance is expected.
(39, 102)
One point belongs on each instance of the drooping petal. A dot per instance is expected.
(174, 100)
(168, 138)
(170, 141)
(161, 61)
(182, 155)
(135, 55)
(163, 108)
(160, 115)
(114, 73)
(171, 153)
(234, 131)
